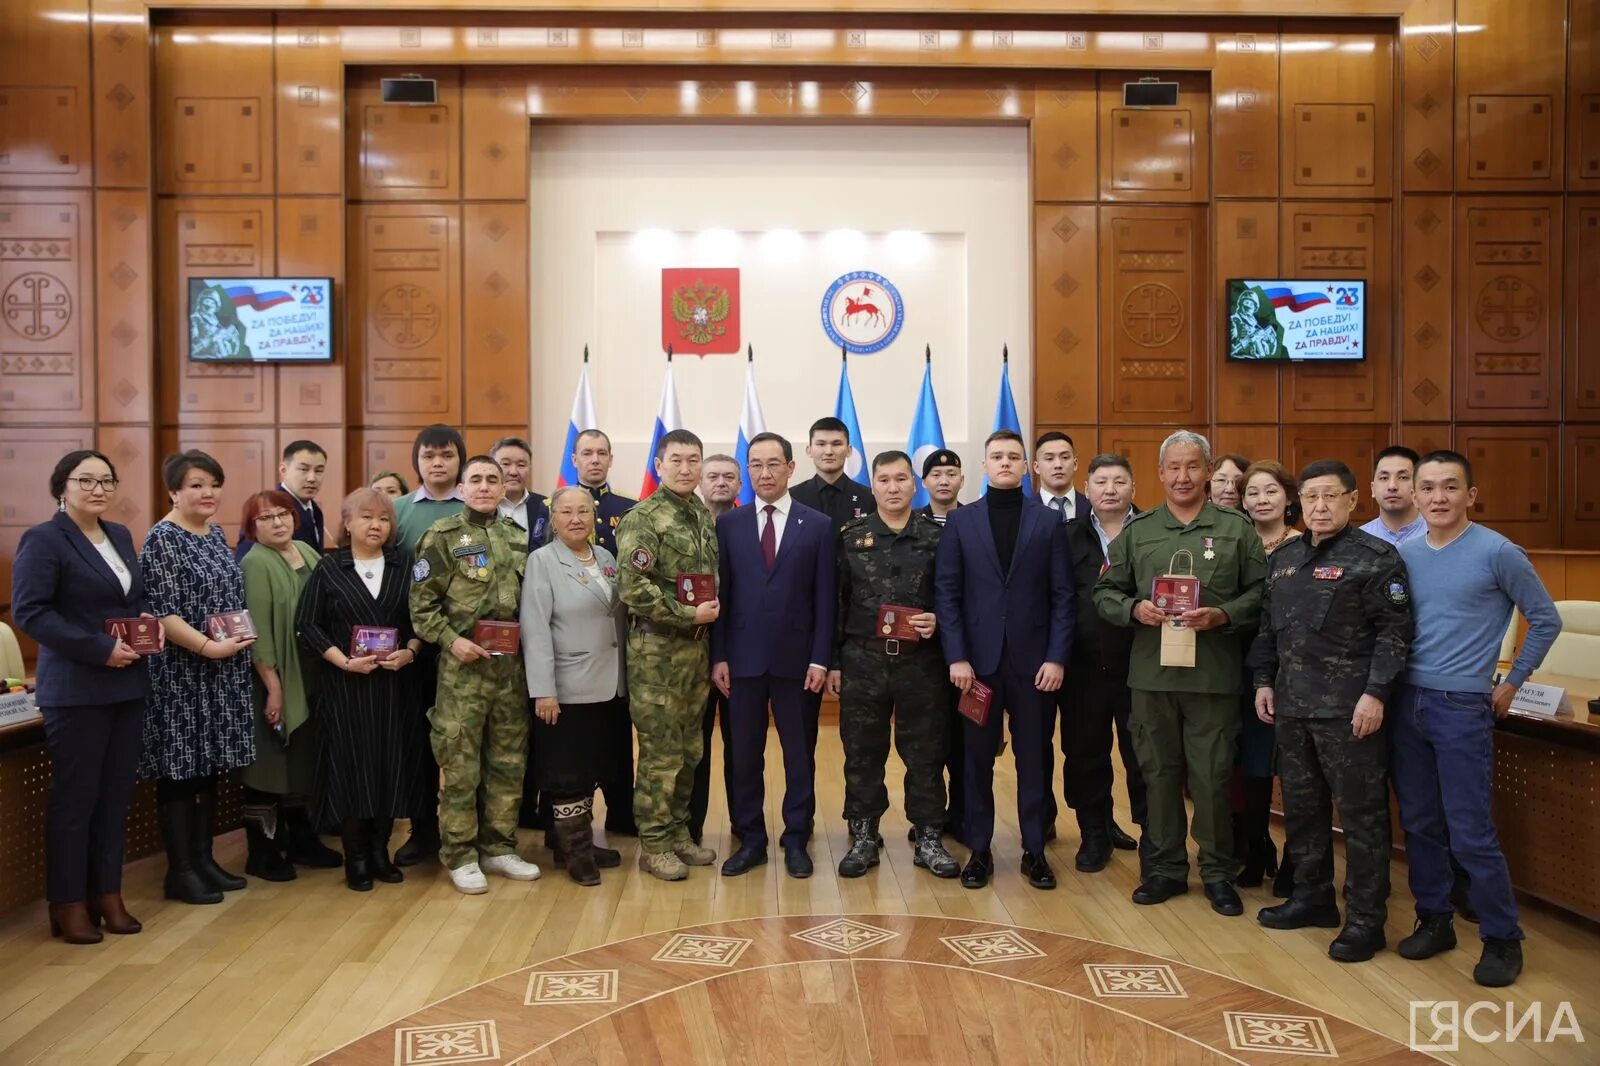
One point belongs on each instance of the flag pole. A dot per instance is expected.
(843, 352)
(749, 353)
(585, 355)
(1005, 353)
(669, 353)
(927, 354)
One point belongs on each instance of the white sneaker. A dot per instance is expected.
(469, 879)
(512, 866)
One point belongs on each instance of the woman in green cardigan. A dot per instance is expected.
(278, 785)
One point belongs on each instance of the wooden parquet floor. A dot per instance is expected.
(716, 969)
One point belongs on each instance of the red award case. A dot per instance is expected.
(894, 622)
(498, 638)
(381, 641)
(695, 589)
(975, 702)
(227, 624)
(143, 635)
(1173, 594)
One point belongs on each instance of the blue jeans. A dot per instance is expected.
(1443, 772)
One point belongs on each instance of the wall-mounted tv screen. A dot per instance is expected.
(261, 320)
(1296, 321)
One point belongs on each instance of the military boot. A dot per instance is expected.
(864, 844)
(663, 864)
(693, 854)
(931, 855)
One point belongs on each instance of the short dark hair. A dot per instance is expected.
(294, 446)
(1005, 434)
(1330, 468)
(1279, 473)
(461, 475)
(511, 442)
(1397, 450)
(783, 442)
(176, 467)
(893, 455)
(69, 463)
(828, 425)
(582, 433)
(1230, 457)
(1445, 455)
(1105, 459)
(678, 436)
(1050, 437)
(437, 436)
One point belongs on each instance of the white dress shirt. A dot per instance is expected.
(517, 512)
(779, 518)
(1069, 502)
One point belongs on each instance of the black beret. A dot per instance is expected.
(942, 457)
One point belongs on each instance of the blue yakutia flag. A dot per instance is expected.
(751, 423)
(1005, 417)
(927, 435)
(845, 411)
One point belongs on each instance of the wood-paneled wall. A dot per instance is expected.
(1451, 158)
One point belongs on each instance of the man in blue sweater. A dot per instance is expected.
(1465, 582)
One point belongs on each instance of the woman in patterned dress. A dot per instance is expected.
(198, 723)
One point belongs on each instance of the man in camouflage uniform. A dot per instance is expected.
(1335, 632)
(469, 569)
(669, 663)
(887, 558)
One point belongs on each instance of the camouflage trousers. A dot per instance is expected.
(912, 689)
(1320, 765)
(479, 735)
(668, 679)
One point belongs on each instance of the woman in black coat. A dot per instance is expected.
(72, 576)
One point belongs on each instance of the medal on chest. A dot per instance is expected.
(1327, 573)
(1210, 552)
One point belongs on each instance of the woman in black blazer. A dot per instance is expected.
(72, 574)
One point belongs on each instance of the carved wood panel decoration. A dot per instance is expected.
(1509, 95)
(1065, 291)
(1518, 470)
(1427, 113)
(214, 103)
(1426, 333)
(1358, 446)
(311, 244)
(122, 96)
(1508, 299)
(495, 313)
(1337, 241)
(1155, 154)
(1580, 518)
(1153, 310)
(131, 449)
(1425, 437)
(44, 95)
(1246, 246)
(46, 307)
(1065, 157)
(210, 238)
(1336, 115)
(124, 325)
(1583, 99)
(1251, 441)
(494, 134)
(1244, 94)
(1583, 310)
(26, 457)
(405, 307)
(404, 151)
(310, 107)
(373, 451)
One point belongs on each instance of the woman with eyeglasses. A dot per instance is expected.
(198, 723)
(74, 583)
(1270, 497)
(278, 784)
(1226, 486)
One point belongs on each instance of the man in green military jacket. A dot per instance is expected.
(669, 658)
(469, 569)
(1186, 718)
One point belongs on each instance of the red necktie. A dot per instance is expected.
(769, 538)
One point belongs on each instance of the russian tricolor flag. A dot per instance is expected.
(667, 420)
(1295, 301)
(751, 422)
(246, 296)
(582, 418)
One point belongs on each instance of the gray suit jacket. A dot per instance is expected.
(573, 628)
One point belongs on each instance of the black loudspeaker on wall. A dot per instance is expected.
(1148, 92)
(410, 90)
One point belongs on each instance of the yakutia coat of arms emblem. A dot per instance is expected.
(700, 310)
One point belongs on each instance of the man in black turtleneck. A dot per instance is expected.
(1003, 595)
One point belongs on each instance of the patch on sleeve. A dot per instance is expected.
(641, 559)
(420, 570)
(1397, 592)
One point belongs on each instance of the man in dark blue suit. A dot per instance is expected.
(773, 644)
(300, 475)
(1003, 595)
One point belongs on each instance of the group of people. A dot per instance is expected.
(474, 657)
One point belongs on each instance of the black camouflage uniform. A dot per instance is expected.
(883, 679)
(1335, 624)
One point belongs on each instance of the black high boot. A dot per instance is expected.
(204, 828)
(1250, 833)
(423, 843)
(357, 862)
(266, 859)
(378, 831)
(305, 847)
(183, 882)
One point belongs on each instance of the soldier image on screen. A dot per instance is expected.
(215, 331)
(1248, 336)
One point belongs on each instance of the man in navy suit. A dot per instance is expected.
(773, 644)
(300, 475)
(1003, 595)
